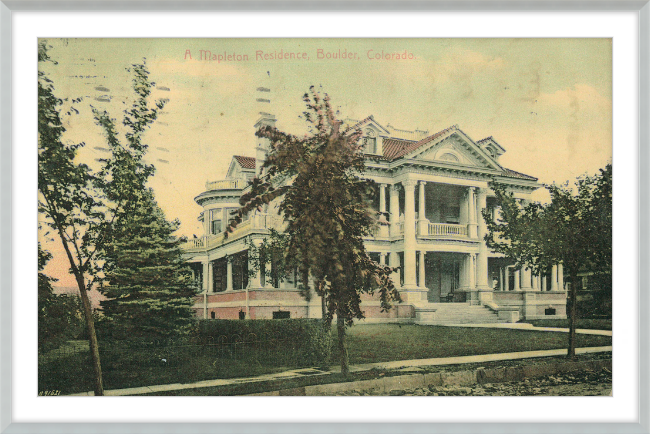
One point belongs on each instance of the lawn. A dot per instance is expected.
(69, 372)
(582, 323)
(369, 343)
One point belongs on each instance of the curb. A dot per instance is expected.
(458, 378)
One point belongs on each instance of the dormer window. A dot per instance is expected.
(370, 142)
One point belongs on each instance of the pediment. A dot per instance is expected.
(455, 148)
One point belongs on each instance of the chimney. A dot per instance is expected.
(263, 99)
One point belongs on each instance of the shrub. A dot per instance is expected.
(306, 338)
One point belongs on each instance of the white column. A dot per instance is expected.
(210, 276)
(206, 284)
(409, 235)
(228, 274)
(506, 279)
(517, 280)
(382, 259)
(560, 277)
(394, 263)
(482, 258)
(206, 222)
(394, 210)
(423, 223)
(471, 271)
(422, 269)
(525, 278)
(543, 285)
(472, 230)
(502, 286)
(383, 222)
(535, 282)
(554, 278)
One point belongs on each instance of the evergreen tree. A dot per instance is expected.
(149, 287)
(326, 205)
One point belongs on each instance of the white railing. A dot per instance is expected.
(226, 184)
(446, 229)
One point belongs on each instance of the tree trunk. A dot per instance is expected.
(88, 315)
(571, 354)
(92, 337)
(323, 309)
(343, 353)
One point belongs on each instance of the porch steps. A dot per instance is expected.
(454, 313)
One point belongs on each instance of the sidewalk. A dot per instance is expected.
(308, 372)
(526, 326)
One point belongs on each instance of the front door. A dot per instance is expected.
(442, 278)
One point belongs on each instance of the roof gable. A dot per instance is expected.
(452, 145)
(240, 164)
(369, 122)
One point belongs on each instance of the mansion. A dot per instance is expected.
(432, 189)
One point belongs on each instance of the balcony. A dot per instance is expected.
(226, 184)
(258, 223)
(445, 230)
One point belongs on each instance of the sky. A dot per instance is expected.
(548, 102)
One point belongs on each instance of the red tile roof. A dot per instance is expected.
(394, 148)
(513, 174)
(245, 162)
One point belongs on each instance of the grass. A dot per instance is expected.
(582, 323)
(370, 343)
(69, 372)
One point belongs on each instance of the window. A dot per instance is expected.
(215, 221)
(449, 157)
(370, 145)
(370, 142)
(281, 314)
(213, 315)
(549, 311)
(242, 314)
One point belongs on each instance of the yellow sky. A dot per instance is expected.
(548, 102)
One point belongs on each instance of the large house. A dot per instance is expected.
(432, 190)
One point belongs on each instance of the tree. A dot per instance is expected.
(326, 207)
(69, 202)
(149, 287)
(574, 230)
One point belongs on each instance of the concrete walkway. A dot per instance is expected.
(527, 326)
(404, 365)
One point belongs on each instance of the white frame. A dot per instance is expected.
(6, 425)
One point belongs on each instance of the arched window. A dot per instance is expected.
(370, 142)
(449, 157)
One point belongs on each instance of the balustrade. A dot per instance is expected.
(446, 229)
(226, 184)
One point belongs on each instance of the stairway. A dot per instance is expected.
(454, 313)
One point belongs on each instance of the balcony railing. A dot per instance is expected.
(446, 229)
(226, 184)
(256, 222)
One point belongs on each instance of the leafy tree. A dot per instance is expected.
(149, 287)
(326, 207)
(69, 202)
(574, 230)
